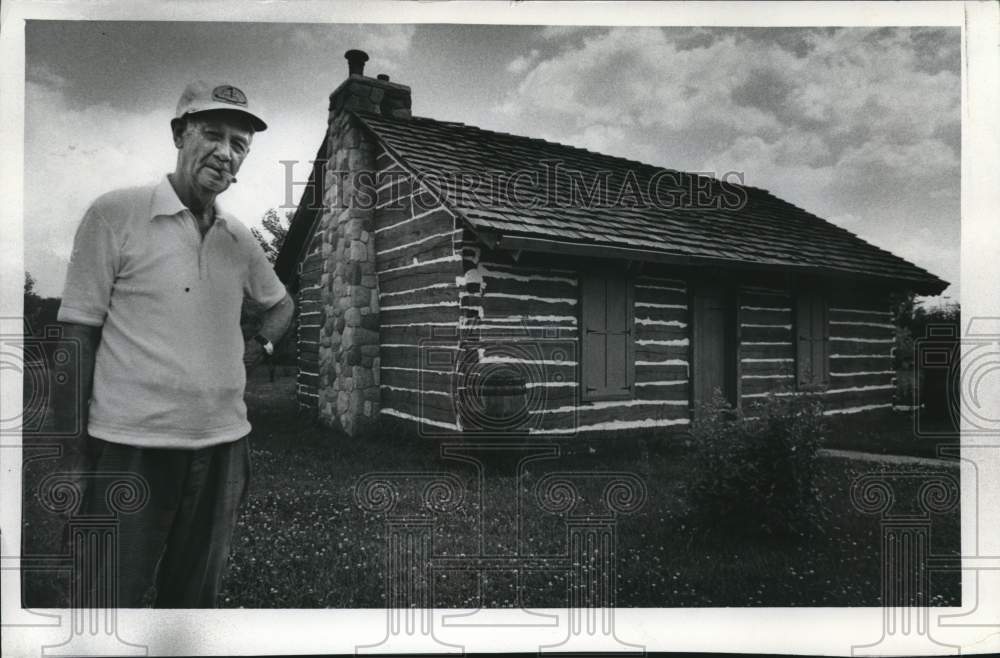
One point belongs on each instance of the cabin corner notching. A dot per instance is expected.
(432, 295)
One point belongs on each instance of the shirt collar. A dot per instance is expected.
(167, 203)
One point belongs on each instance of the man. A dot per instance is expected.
(153, 296)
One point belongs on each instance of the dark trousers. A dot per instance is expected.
(175, 512)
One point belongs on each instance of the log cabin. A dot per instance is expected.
(459, 280)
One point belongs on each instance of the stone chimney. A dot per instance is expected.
(359, 92)
(349, 358)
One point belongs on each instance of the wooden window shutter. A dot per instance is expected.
(803, 346)
(820, 340)
(619, 336)
(607, 360)
(812, 327)
(594, 335)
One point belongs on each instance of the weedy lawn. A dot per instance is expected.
(303, 541)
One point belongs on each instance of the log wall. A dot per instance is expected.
(418, 265)
(308, 321)
(861, 341)
(526, 318)
(862, 377)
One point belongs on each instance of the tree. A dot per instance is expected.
(39, 311)
(277, 228)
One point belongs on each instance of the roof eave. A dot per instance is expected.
(924, 286)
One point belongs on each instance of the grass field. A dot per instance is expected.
(303, 540)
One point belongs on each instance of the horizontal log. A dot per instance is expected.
(756, 315)
(310, 279)
(414, 229)
(589, 415)
(659, 283)
(435, 248)
(676, 392)
(841, 314)
(862, 379)
(663, 387)
(661, 352)
(859, 348)
(312, 266)
(402, 264)
(857, 300)
(543, 354)
(419, 334)
(413, 401)
(426, 412)
(517, 332)
(498, 306)
(855, 330)
(419, 277)
(436, 360)
(769, 367)
(856, 399)
(772, 384)
(755, 333)
(537, 287)
(783, 350)
(408, 314)
(862, 363)
(660, 296)
(447, 292)
(310, 294)
(666, 372)
(394, 188)
(751, 298)
(508, 266)
(661, 314)
(307, 379)
(426, 379)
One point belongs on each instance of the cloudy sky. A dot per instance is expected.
(860, 126)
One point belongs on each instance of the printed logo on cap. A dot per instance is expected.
(229, 94)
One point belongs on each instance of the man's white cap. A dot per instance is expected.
(200, 96)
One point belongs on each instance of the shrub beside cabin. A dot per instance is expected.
(436, 265)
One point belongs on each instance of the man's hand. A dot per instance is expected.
(253, 353)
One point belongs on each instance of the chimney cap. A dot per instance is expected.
(356, 61)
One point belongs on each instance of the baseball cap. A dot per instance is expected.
(200, 96)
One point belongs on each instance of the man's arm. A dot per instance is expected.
(71, 414)
(274, 323)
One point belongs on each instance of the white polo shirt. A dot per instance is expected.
(169, 369)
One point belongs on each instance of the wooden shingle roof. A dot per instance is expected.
(497, 183)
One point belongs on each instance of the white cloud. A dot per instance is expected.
(522, 63)
(74, 154)
(387, 44)
(855, 124)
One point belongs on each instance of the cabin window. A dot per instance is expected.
(607, 361)
(812, 359)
